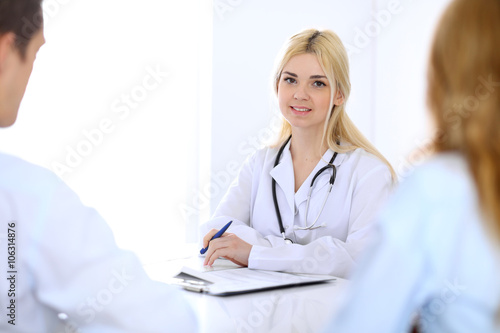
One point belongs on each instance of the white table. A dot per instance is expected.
(296, 309)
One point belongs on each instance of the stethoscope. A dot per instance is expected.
(276, 206)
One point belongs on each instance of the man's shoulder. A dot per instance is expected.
(16, 172)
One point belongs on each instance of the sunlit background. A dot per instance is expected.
(147, 108)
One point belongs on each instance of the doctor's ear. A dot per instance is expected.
(339, 98)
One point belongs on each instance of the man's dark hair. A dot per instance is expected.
(22, 17)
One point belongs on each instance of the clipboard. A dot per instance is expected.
(229, 279)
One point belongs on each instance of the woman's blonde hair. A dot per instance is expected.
(464, 94)
(332, 56)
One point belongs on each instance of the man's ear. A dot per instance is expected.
(7, 41)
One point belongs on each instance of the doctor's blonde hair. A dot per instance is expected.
(463, 95)
(332, 56)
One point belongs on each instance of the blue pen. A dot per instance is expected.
(217, 235)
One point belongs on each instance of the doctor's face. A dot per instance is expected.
(304, 93)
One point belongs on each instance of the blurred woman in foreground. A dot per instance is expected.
(437, 258)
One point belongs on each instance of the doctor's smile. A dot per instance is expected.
(300, 110)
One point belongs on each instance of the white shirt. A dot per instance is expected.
(66, 273)
(362, 184)
(433, 255)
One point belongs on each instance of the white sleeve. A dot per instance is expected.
(235, 206)
(329, 255)
(78, 270)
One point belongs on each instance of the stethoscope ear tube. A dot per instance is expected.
(276, 206)
(278, 215)
(334, 174)
(326, 167)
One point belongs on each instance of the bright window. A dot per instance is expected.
(115, 106)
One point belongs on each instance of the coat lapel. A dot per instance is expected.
(284, 177)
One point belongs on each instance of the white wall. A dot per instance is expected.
(92, 92)
(401, 127)
(168, 157)
(387, 41)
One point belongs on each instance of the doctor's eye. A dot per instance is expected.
(290, 80)
(319, 84)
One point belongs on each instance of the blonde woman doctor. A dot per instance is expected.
(307, 204)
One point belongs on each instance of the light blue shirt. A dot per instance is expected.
(433, 257)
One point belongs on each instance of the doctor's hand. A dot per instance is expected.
(228, 246)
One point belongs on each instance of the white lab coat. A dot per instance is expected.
(432, 255)
(64, 261)
(362, 185)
